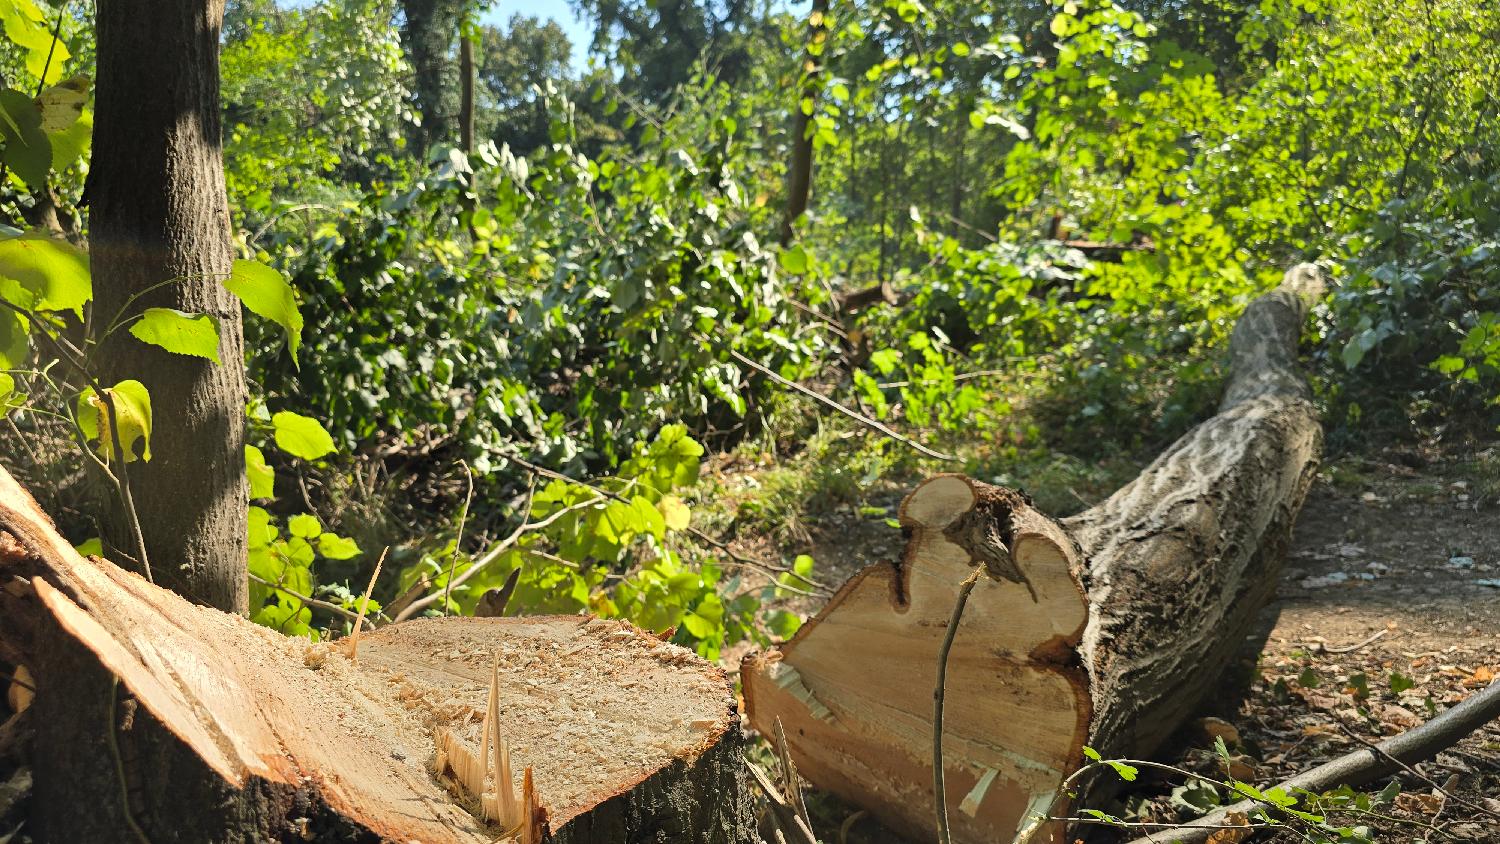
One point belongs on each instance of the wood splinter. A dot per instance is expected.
(517, 815)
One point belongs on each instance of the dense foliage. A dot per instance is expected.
(1068, 203)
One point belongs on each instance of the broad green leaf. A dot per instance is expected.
(793, 260)
(72, 144)
(10, 398)
(27, 28)
(27, 150)
(1060, 25)
(262, 532)
(783, 624)
(304, 525)
(675, 512)
(90, 548)
(267, 294)
(179, 332)
(133, 413)
(54, 271)
(15, 339)
(261, 476)
(336, 547)
(301, 436)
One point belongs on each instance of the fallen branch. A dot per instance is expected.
(862, 419)
(1363, 765)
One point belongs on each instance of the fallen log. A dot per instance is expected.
(1105, 630)
(157, 720)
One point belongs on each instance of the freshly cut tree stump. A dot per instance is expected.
(1106, 630)
(157, 720)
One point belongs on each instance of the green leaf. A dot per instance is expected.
(783, 624)
(90, 548)
(10, 398)
(179, 332)
(1126, 772)
(1309, 679)
(71, 144)
(301, 436)
(261, 532)
(132, 412)
(1400, 682)
(304, 525)
(793, 260)
(54, 271)
(1092, 754)
(261, 476)
(267, 294)
(15, 339)
(27, 151)
(1060, 25)
(27, 28)
(336, 547)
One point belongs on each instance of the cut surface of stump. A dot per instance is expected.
(1107, 631)
(224, 730)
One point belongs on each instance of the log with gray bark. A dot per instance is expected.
(1104, 630)
(158, 720)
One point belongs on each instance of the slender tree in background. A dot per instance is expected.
(429, 30)
(160, 237)
(799, 169)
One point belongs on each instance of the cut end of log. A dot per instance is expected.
(854, 687)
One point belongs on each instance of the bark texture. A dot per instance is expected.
(159, 222)
(163, 720)
(429, 30)
(799, 169)
(1108, 630)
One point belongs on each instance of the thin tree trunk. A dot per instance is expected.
(466, 101)
(159, 213)
(799, 170)
(428, 33)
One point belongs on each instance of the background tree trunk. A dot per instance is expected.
(159, 213)
(428, 32)
(799, 169)
(466, 93)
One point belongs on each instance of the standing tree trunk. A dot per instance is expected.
(466, 92)
(799, 170)
(1107, 630)
(159, 237)
(428, 33)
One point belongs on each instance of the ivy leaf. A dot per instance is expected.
(336, 547)
(262, 477)
(179, 332)
(301, 436)
(267, 294)
(54, 271)
(132, 412)
(28, 152)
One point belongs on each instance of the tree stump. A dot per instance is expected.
(1106, 630)
(157, 720)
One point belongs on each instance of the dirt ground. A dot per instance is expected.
(1388, 612)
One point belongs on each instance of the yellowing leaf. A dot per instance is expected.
(675, 512)
(62, 104)
(133, 413)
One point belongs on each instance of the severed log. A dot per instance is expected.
(1105, 630)
(157, 720)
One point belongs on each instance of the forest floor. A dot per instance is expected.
(1388, 611)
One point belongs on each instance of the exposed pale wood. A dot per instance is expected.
(1106, 631)
(227, 731)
